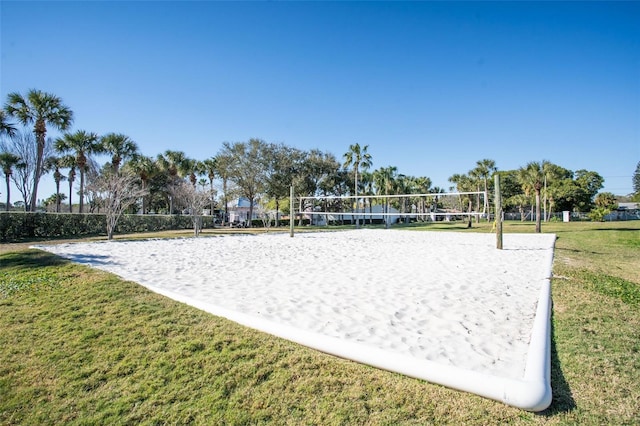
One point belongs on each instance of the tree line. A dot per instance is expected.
(260, 171)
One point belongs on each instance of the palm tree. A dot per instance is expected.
(519, 201)
(6, 128)
(384, 179)
(367, 184)
(69, 161)
(531, 178)
(143, 167)
(224, 167)
(191, 168)
(172, 163)
(359, 159)
(53, 163)
(39, 109)
(464, 183)
(484, 170)
(422, 186)
(403, 186)
(553, 175)
(552, 193)
(7, 162)
(82, 144)
(435, 200)
(475, 181)
(203, 183)
(209, 168)
(121, 148)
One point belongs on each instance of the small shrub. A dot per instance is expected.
(598, 214)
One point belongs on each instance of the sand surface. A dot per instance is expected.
(447, 297)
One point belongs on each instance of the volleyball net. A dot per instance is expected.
(390, 209)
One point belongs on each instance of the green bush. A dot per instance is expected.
(21, 226)
(598, 214)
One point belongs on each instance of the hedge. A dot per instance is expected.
(21, 226)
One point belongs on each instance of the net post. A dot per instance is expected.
(291, 211)
(498, 213)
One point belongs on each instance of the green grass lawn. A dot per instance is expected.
(80, 346)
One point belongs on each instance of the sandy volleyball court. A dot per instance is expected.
(446, 297)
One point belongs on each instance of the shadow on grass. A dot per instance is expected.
(31, 258)
(572, 250)
(562, 401)
(617, 229)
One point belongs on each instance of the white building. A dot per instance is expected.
(239, 210)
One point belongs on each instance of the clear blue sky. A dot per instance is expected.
(431, 87)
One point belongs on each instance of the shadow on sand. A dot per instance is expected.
(90, 259)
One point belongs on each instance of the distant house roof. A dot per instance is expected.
(628, 206)
(241, 202)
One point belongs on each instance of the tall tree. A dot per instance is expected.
(484, 170)
(120, 147)
(423, 186)
(359, 158)
(464, 183)
(203, 183)
(247, 168)
(173, 164)
(7, 162)
(23, 144)
(318, 174)
(69, 161)
(519, 201)
(509, 184)
(39, 109)
(6, 128)
(82, 145)
(223, 169)
(552, 175)
(636, 180)
(367, 185)
(531, 178)
(384, 179)
(54, 164)
(282, 163)
(191, 168)
(589, 183)
(143, 167)
(404, 185)
(209, 168)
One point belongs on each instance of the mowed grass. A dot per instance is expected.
(80, 346)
